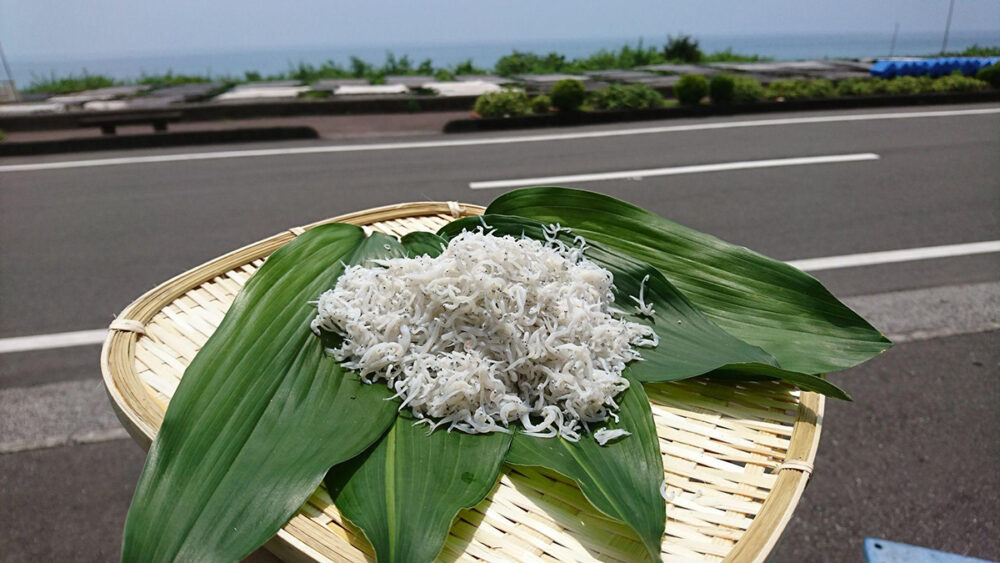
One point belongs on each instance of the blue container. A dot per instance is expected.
(883, 69)
(952, 64)
(915, 68)
(937, 67)
(970, 66)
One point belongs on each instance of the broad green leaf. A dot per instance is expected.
(260, 415)
(759, 300)
(420, 243)
(405, 491)
(621, 479)
(804, 381)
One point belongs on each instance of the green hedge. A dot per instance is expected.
(502, 104)
(617, 96)
(721, 89)
(690, 89)
(990, 75)
(798, 89)
(568, 95)
(909, 85)
(541, 104)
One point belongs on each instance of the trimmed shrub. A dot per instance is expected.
(990, 75)
(567, 95)
(690, 89)
(909, 85)
(958, 83)
(747, 89)
(721, 89)
(861, 86)
(636, 96)
(541, 104)
(502, 104)
(798, 89)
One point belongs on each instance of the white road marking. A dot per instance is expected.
(91, 337)
(75, 412)
(56, 340)
(490, 140)
(892, 256)
(670, 171)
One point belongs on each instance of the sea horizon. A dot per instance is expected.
(221, 63)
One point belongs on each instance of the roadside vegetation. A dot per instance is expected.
(568, 95)
(681, 49)
(975, 51)
(67, 84)
(618, 96)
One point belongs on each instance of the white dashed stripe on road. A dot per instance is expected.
(248, 153)
(672, 171)
(97, 336)
(893, 256)
(49, 341)
(75, 412)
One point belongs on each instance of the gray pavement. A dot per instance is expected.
(913, 459)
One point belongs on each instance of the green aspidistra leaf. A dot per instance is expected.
(759, 300)
(622, 478)
(260, 415)
(405, 491)
(420, 243)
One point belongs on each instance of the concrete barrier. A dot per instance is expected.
(267, 108)
(115, 142)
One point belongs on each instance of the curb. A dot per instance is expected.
(150, 140)
(707, 110)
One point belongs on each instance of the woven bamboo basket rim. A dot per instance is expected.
(738, 456)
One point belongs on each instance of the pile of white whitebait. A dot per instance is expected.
(493, 331)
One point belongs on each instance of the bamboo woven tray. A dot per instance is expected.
(737, 456)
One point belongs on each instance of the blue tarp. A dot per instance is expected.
(941, 66)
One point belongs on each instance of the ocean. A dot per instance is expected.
(235, 63)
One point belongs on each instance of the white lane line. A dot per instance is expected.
(56, 340)
(671, 171)
(91, 337)
(893, 256)
(77, 412)
(490, 140)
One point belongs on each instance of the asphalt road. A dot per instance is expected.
(914, 459)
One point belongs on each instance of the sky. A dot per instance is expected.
(52, 29)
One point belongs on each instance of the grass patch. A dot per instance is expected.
(677, 50)
(67, 84)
